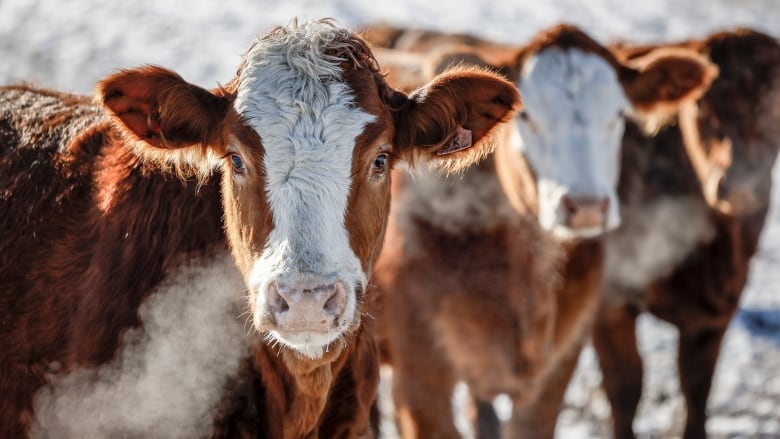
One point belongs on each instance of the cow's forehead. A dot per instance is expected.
(571, 78)
(292, 93)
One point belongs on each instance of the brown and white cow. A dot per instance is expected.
(494, 277)
(694, 201)
(294, 154)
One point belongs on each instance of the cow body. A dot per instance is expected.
(492, 291)
(504, 266)
(695, 199)
(111, 261)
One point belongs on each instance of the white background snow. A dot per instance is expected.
(69, 45)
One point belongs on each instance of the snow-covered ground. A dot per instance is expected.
(69, 45)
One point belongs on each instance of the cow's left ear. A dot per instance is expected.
(448, 122)
(160, 109)
(665, 78)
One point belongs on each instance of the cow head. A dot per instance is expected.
(576, 96)
(732, 134)
(305, 136)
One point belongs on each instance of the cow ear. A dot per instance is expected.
(448, 122)
(662, 80)
(159, 108)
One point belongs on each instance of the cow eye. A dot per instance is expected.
(378, 167)
(238, 163)
(379, 163)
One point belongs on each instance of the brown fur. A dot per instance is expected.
(88, 231)
(94, 216)
(500, 304)
(700, 293)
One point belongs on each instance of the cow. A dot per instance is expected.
(494, 278)
(694, 200)
(274, 188)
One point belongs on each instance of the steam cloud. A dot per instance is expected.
(654, 238)
(170, 374)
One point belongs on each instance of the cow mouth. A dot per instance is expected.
(313, 344)
(566, 233)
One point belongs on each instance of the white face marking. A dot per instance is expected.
(292, 94)
(573, 132)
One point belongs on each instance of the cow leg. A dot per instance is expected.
(614, 338)
(536, 418)
(422, 391)
(697, 356)
(487, 424)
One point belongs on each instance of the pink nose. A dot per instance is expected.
(306, 305)
(585, 212)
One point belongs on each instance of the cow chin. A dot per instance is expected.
(310, 344)
(564, 232)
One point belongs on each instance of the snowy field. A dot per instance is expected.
(70, 45)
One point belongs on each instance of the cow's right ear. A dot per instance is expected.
(659, 82)
(159, 108)
(447, 123)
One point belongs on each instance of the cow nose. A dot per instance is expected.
(585, 212)
(737, 197)
(306, 306)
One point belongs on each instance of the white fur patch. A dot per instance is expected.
(572, 135)
(292, 93)
(170, 374)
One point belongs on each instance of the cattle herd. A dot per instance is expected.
(458, 209)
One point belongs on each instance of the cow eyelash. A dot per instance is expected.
(379, 165)
(236, 162)
(380, 161)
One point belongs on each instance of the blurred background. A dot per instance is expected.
(70, 45)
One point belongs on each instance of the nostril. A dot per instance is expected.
(277, 303)
(569, 205)
(604, 205)
(337, 301)
(282, 305)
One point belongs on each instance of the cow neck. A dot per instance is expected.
(300, 384)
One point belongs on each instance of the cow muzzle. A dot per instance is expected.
(584, 212)
(306, 307)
